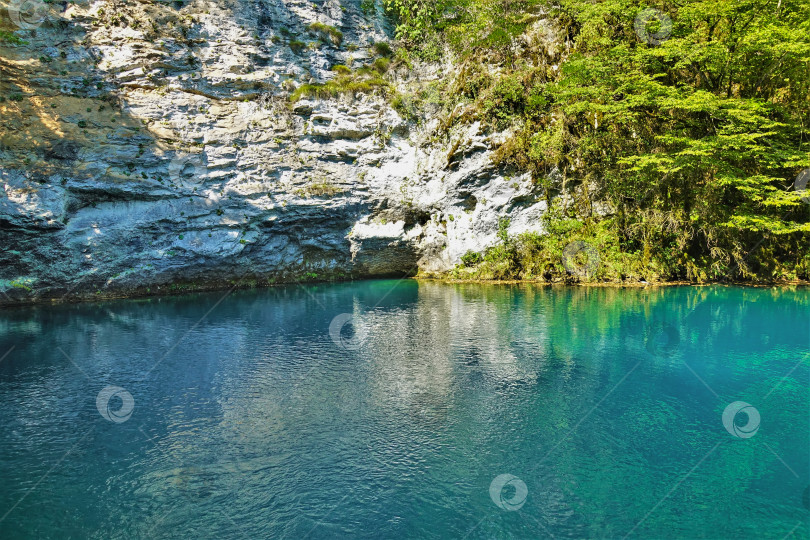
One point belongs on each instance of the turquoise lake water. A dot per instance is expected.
(393, 409)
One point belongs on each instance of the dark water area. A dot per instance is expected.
(404, 409)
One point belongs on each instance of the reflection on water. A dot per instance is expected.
(259, 416)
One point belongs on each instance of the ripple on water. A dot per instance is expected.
(259, 420)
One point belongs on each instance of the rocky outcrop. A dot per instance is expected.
(153, 145)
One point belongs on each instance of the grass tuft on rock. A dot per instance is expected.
(327, 32)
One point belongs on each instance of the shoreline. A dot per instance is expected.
(621, 284)
(180, 289)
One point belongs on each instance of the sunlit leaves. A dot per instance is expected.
(703, 131)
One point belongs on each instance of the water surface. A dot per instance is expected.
(250, 420)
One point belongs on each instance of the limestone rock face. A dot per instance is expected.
(149, 144)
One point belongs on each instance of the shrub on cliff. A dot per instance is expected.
(686, 124)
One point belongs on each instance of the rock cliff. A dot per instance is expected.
(150, 145)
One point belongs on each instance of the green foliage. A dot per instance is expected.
(336, 87)
(346, 81)
(369, 7)
(470, 27)
(381, 48)
(505, 99)
(503, 230)
(693, 141)
(416, 17)
(8, 37)
(688, 146)
(327, 32)
(381, 64)
(20, 284)
(319, 189)
(297, 46)
(407, 105)
(540, 257)
(471, 258)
